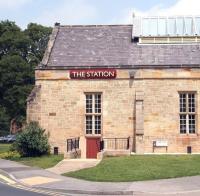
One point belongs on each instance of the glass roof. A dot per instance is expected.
(170, 26)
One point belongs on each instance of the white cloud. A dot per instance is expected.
(181, 7)
(6, 4)
(69, 12)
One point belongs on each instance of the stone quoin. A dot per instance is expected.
(120, 89)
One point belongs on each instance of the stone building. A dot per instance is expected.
(120, 89)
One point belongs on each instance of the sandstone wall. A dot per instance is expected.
(34, 105)
(62, 110)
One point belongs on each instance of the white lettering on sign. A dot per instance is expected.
(93, 74)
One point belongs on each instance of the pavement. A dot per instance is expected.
(47, 180)
(68, 165)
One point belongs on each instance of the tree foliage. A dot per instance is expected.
(4, 121)
(20, 52)
(39, 36)
(32, 141)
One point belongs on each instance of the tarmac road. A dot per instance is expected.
(6, 190)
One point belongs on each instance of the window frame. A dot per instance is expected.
(93, 114)
(188, 113)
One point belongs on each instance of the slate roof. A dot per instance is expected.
(110, 46)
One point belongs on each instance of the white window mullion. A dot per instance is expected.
(187, 118)
(187, 124)
(93, 111)
(93, 124)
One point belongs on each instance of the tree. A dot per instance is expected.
(39, 36)
(4, 121)
(8, 26)
(13, 41)
(20, 52)
(16, 79)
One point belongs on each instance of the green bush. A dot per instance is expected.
(32, 141)
(9, 155)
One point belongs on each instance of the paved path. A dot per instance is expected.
(36, 177)
(68, 165)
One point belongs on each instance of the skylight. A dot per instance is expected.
(169, 26)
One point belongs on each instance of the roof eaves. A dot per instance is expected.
(156, 66)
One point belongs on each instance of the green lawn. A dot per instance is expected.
(46, 161)
(141, 167)
(4, 147)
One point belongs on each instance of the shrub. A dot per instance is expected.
(32, 141)
(9, 155)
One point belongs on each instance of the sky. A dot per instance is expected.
(82, 12)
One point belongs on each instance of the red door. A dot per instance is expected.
(93, 147)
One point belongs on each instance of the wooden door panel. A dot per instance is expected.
(92, 147)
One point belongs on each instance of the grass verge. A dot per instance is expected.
(44, 162)
(4, 147)
(140, 168)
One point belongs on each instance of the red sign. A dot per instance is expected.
(93, 74)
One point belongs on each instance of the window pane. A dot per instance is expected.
(153, 26)
(97, 124)
(88, 124)
(179, 26)
(197, 22)
(97, 103)
(191, 102)
(145, 27)
(89, 103)
(188, 26)
(162, 26)
(182, 123)
(171, 26)
(182, 98)
(191, 123)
